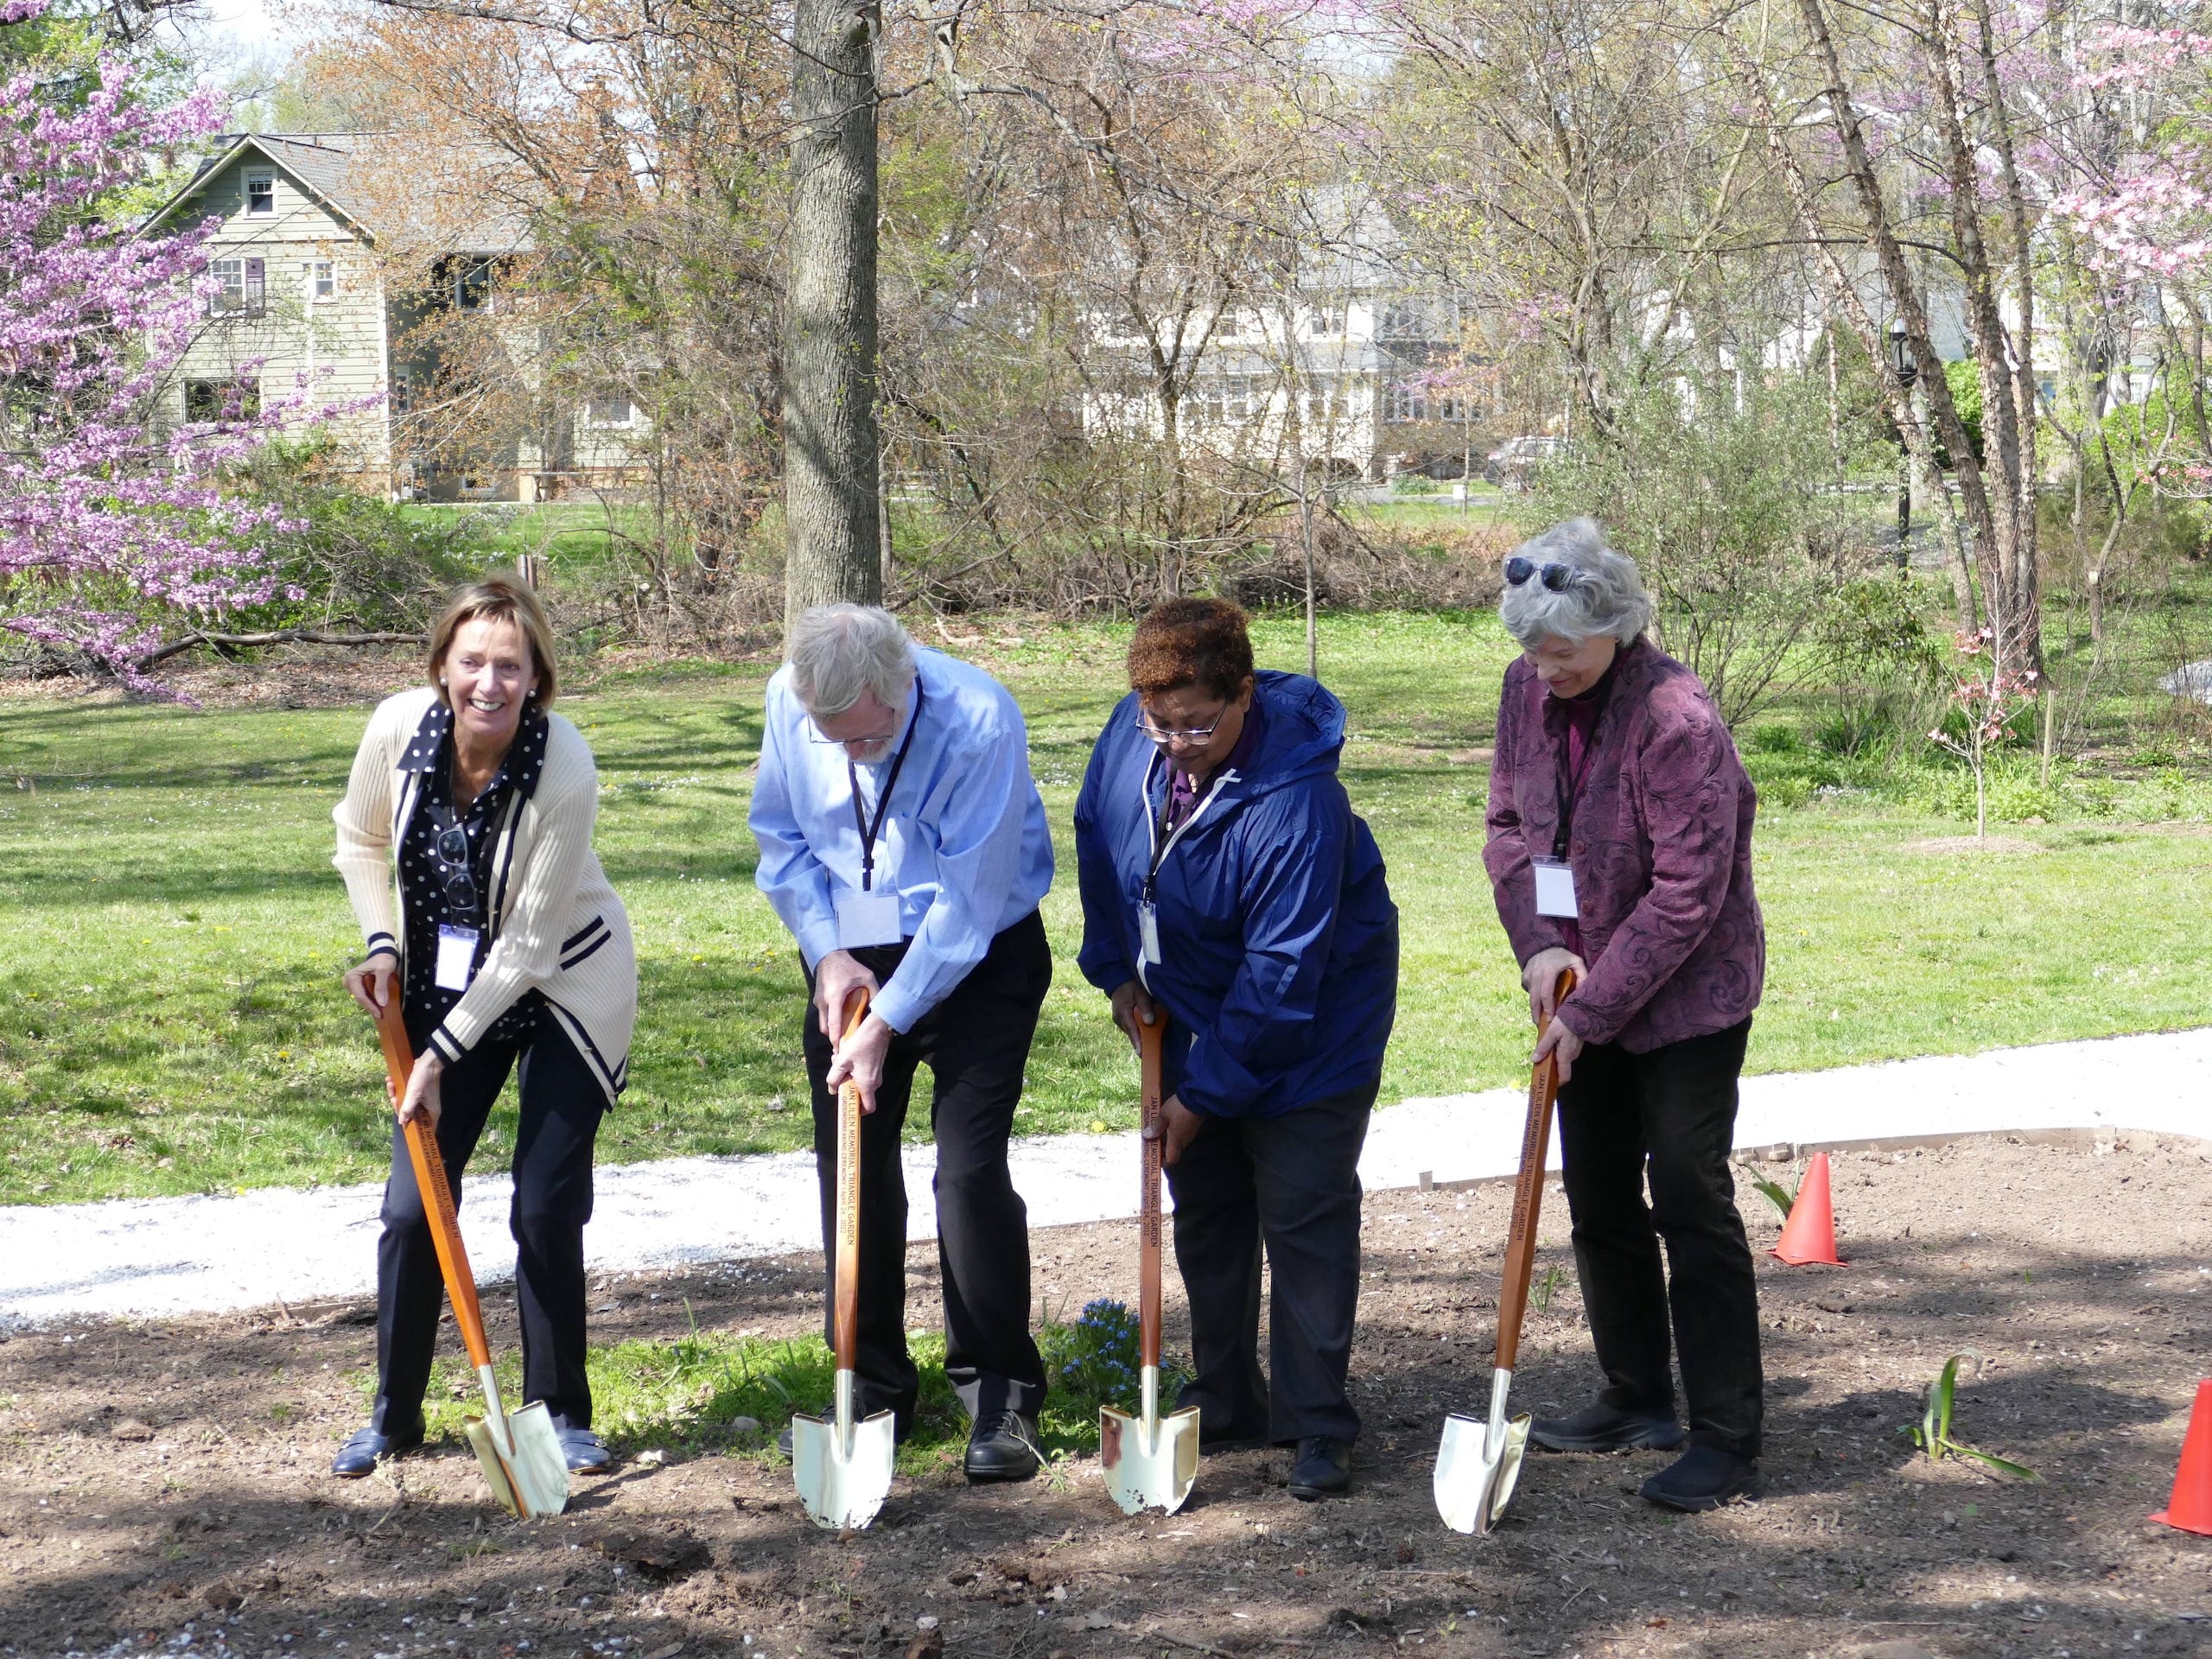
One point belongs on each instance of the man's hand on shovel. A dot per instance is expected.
(858, 1060)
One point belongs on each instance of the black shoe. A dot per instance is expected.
(370, 1447)
(1601, 1428)
(1322, 1468)
(1002, 1447)
(1703, 1478)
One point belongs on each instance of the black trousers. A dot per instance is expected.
(1290, 1184)
(561, 1106)
(976, 1045)
(1669, 1115)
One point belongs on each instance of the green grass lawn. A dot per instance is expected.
(171, 932)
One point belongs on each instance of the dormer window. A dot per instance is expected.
(260, 195)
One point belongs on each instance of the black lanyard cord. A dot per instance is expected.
(868, 831)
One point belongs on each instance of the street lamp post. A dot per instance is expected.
(1907, 372)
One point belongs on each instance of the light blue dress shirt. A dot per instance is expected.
(965, 841)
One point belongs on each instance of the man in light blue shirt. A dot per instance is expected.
(903, 843)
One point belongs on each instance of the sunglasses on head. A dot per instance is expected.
(1557, 578)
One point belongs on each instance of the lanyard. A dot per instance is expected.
(883, 801)
(1569, 782)
(1155, 822)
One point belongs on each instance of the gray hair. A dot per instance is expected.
(1604, 595)
(837, 652)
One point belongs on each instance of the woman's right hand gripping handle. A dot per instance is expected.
(375, 982)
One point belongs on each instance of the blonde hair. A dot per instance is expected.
(499, 596)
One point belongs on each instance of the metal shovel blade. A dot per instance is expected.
(842, 1467)
(1149, 1471)
(529, 1473)
(1473, 1488)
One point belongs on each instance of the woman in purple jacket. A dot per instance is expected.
(1620, 846)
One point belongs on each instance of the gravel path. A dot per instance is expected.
(159, 1257)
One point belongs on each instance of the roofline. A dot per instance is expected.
(252, 140)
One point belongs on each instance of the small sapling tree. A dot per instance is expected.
(1987, 694)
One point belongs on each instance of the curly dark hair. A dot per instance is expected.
(1201, 642)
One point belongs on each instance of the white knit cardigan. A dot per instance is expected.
(557, 926)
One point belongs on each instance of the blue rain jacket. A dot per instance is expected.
(1279, 943)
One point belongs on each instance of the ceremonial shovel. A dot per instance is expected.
(1151, 1461)
(521, 1454)
(1479, 1465)
(843, 1467)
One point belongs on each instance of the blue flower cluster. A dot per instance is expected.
(1097, 1355)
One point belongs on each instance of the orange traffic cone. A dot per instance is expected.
(1808, 1237)
(2191, 1506)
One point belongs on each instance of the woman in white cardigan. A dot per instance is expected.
(506, 944)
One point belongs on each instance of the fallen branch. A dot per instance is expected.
(199, 636)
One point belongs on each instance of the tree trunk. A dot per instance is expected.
(831, 440)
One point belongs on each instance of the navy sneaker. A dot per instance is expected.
(370, 1447)
(1601, 1428)
(1703, 1478)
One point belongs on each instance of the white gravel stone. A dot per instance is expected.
(153, 1258)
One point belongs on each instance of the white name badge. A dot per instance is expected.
(457, 957)
(865, 919)
(1555, 888)
(1148, 932)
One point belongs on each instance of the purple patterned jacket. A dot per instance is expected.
(1662, 853)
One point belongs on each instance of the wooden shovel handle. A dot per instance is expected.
(846, 1326)
(1528, 1195)
(1151, 1039)
(430, 1182)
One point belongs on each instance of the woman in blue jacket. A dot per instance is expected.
(1229, 887)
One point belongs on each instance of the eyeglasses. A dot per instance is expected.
(1557, 578)
(1195, 734)
(815, 735)
(451, 846)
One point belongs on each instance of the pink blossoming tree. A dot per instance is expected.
(110, 520)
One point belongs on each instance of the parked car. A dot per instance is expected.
(1511, 464)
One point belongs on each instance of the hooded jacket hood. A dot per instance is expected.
(1278, 941)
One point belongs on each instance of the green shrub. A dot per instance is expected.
(357, 560)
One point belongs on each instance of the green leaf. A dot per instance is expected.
(2004, 1465)
(1777, 1194)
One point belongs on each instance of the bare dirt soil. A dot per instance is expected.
(164, 1488)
